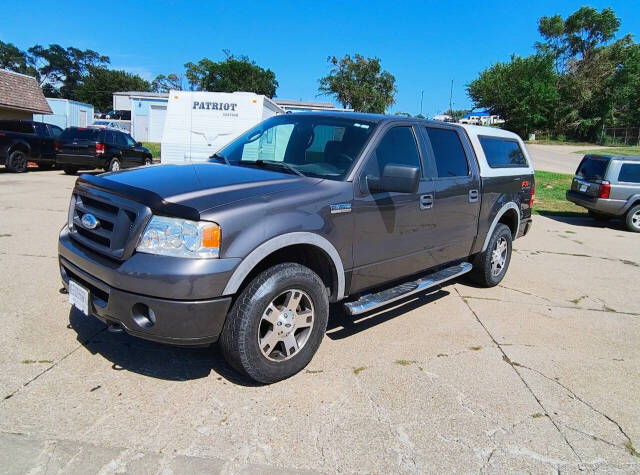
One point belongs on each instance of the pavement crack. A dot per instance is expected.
(50, 367)
(515, 369)
(628, 445)
(572, 254)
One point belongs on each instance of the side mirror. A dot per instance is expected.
(395, 178)
(138, 144)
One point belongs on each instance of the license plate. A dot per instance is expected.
(584, 187)
(79, 297)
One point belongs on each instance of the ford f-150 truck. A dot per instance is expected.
(24, 141)
(302, 210)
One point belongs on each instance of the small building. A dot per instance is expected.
(481, 118)
(305, 106)
(148, 113)
(67, 113)
(444, 118)
(20, 96)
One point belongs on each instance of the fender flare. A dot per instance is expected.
(630, 202)
(263, 250)
(506, 207)
(19, 144)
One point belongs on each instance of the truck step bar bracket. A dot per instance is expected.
(370, 302)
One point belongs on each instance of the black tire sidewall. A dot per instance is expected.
(483, 264)
(12, 157)
(239, 339)
(628, 216)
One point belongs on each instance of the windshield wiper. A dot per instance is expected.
(286, 166)
(217, 156)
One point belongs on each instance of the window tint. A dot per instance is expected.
(108, 137)
(593, 168)
(630, 173)
(502, 153)
(16, 126)
(54, 131)
(120, 140)
(449, 154)
(80, 134)
(398, 146)
(130, 141)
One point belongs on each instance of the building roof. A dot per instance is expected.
(288, 102)
(477, 114)
(142, 94)
(22, 92)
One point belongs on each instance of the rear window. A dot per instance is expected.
(593, 168)
(16, 126)
(502, 153)
(630, 173)
(80, 134)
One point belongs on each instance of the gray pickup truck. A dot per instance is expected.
(302, 210)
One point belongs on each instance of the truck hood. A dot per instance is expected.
(194, 186)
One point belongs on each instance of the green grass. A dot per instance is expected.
(612, 151)
(556, 142)
(550, 195)
(154, 148)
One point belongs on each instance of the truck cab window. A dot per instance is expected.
(451, 161)
(398, 146)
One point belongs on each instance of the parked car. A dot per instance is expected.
(89, 148)
(608, 187)
(302, 210)
(117, 115)
(109, 124)
(24, 141)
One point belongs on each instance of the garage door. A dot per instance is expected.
(158, 114)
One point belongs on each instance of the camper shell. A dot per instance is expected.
(199, 123)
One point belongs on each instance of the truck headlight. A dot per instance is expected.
(180, 238)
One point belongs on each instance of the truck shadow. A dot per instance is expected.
(148, 358)
(583, 220)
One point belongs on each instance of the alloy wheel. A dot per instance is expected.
(499, 256)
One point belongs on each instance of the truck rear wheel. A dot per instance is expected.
(17, 161)
(276, 324)
(490, 266)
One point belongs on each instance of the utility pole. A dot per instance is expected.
(451, 100)
(421, 99)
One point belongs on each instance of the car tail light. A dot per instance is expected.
(99, 148)
(533, 194)
(2, 134)
(605, 190)
(56, 145)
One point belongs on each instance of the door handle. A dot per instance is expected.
(473, 196)
(426, 201)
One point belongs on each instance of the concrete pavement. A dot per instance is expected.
(539, 374)
(557, 158)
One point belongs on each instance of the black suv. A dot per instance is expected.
(89, 148)
(24, 141)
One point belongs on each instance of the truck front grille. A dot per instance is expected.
(114, 224)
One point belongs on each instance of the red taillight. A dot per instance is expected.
(56, 145)
(605, 190)
(533, 193)
(99, 148)
(2, 134)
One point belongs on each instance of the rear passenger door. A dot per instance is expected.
(456, 201)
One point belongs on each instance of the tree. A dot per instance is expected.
(523, 92)
(359, 83)
(14, 59)
(98, 86)
(232, 74)
(60, 70)
(164, 83)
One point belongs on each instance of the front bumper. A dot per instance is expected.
(602, 205)
(166, 299)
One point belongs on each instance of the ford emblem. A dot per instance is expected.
(89, 221)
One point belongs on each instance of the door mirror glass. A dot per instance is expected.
(395, 178)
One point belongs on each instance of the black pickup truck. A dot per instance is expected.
(302, 210)
(24, 141)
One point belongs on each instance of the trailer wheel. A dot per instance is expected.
(276, 324)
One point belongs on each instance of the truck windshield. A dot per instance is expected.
(318, 146)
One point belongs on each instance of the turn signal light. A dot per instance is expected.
(99, 148)
(605, 190)
(211, 237)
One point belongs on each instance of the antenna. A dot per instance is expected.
(451, 100)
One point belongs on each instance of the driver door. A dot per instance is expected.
(392, 230)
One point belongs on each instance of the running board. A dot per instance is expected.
(372, 301)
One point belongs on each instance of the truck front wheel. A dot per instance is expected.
(276, 324)
(490, 266)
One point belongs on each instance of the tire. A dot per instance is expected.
(114, 165)
(600, 217)
(484, 273)
(632, 219)
(18, 161)
(148, 161)
(265, 299)
(70, 170)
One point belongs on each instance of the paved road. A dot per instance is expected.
(539, 374)
(557, 158)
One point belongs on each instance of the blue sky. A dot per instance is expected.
(424, 44)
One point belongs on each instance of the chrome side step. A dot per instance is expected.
(372, 301)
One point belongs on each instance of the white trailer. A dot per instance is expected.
(198, 124)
